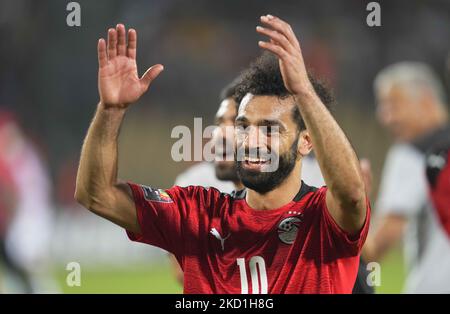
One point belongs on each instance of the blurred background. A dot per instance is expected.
(48, 89)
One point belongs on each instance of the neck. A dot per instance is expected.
(280, 196)
(238, 185)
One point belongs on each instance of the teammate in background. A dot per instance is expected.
(220, 174)
(26, 243)
(411, 105)
(290, 237)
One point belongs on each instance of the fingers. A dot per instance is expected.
(132, 43)
(273, 47)
(117, 42)
(112, 43)
(150, 75)
(101, 50)
(276, 37)
(281, 27)
(121, 40)
(283, 41)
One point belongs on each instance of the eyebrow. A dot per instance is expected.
(241, 119)
(263, 122)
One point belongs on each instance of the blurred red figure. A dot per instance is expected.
(27, 221)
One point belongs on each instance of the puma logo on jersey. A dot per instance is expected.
(217, 235)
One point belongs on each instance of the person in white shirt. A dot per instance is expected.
(411, 106)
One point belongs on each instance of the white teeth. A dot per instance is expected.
(249, 159)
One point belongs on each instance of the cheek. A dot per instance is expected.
(279, 144)
(229, 137)
(406, 118)
(382, 116)
(216, 135)
(274, 143)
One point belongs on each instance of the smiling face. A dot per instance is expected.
(266, 132)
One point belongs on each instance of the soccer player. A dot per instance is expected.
(222, 174)
(411, 106)
(281, 236)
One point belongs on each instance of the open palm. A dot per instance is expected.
(118, 81)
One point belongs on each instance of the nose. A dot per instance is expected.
(253, 138)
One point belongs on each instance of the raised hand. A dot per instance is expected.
(284, 44)
(118, 81)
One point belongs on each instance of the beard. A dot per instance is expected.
(264, 182)
(226, 171)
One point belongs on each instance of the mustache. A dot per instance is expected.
(261, 153)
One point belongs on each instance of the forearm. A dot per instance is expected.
(336, 157)
(97, 172)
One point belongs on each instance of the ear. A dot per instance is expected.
(304, 143)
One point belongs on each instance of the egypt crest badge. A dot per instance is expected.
(156, 195)
(288, 228)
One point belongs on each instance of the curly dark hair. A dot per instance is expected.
(229, 91)
(263, 78)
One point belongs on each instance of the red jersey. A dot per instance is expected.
(224, 246)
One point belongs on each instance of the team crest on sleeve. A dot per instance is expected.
(156, 195)
(287, 229)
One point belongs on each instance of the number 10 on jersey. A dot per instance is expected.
(257, 272)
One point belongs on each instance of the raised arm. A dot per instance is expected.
(345, 198)
(97, 186)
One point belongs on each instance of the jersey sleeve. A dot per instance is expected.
(162, 215)
(334, 238)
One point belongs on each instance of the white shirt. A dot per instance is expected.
(311, 173)
(30, 231)
(203, 174)
(404, 191)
